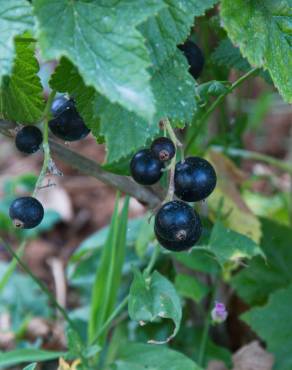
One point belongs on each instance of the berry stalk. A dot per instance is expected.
(46, 147)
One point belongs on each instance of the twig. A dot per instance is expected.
(215, 104)
(89, 167)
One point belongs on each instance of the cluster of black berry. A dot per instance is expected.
(28, 212)
(177, 226)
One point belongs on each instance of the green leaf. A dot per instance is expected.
(19, 356)
(174, 92)
(102, 40)
(171, 26)
(108, 275)
(145, 236)
(31, 366)
(21, 94)
(228, 245)
(262, 29)
(15, 19)
(154, 297)
(228, 56)
(136, 356)
(198, 260)
(273, 323)
(255, 283)
(190, 287)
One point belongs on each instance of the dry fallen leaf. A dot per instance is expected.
(216, 365)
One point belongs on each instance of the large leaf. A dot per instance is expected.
(174, 92)
(15, 18)
(136, 356)
(228, 245)
(273, 323)
(21, 93)
(171, 26)
(20, 356)
(261, 278)
(31, 366)
(101, 39)
(262, 29)
(190, 287)
(154, 297)
(108, 275)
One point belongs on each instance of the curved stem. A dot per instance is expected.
(216, 103)
(242, 153)
(46, 146)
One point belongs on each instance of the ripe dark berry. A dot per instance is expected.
(29, 139)
(194, 56)
(60, 104)
(145, 168)
(26, 212)
(194, 179)
(67, 123)
(177, 226)
(163, 149)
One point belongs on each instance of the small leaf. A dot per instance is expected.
(262, 29)
(273, 323)
(136, 356)
(190, 287)
(15, 19)
(228, 245)
(154, 297)
(21, 94)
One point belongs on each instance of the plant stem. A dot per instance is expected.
(46, 146)
(207, 324)
(216, 103)
(152, 261)
(41, 286)
(242, 153)
(12, 266)
(114, 314)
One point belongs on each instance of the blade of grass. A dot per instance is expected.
(108, 276)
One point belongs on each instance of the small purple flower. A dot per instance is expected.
(219, 313)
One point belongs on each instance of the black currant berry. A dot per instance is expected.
(177, 226)
(145, 168)
(26, 212)
(163, 149)
(194, 179)
(29, 139)
(194, 56)
(60, 104)
(67, 123)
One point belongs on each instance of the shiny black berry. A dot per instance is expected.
(145, 168)
(194, 179)
(163, 149)
(29, 139)
(60, 104)
(194, 56)
(177, 226)
(26, 212)
(67, 123)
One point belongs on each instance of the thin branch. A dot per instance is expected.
(89, 167)
(216, 103)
